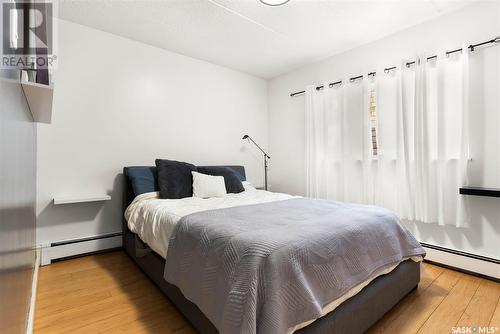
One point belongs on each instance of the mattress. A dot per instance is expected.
(154, 219)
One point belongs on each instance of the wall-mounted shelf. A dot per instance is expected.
(480, 191)
(39, 99)
(71, 200)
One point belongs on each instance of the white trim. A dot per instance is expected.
(463, 262)
(34, 285)
(50, 253)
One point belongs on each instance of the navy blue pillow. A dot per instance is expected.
(143, 179)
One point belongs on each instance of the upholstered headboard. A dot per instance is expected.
(128, 193)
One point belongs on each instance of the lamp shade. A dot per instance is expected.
(274, 3)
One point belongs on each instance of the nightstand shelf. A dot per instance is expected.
(480, 191)
(72, 200)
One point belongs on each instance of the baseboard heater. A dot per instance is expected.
(463, 261)
(73, 247)
(455, 259)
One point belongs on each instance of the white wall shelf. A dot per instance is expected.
(39, 99)
(72, 200)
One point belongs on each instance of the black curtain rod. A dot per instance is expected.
(471, 47)
(388, 69)
(319, 87)
(355, 78)
(330, 85)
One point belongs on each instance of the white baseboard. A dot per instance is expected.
(62, 249)
(34, 285)
(474, 265)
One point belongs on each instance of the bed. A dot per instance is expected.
(355, 314)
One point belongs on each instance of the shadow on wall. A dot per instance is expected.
(482, 211)
(114, 208)
(69, 213)
(16, 261)
(15, 293)
(17, 205)
(257, 158)
(107, 213)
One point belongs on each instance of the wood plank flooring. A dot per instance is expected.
(107, 293)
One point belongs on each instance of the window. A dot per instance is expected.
(373, 121)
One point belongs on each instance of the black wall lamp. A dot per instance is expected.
(266, 156)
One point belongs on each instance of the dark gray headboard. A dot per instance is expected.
(128, 194)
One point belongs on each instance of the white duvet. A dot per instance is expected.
(153, 219)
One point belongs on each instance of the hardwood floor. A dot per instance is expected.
(107, 293)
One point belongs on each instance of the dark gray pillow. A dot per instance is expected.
(231, 179)
(175, 179)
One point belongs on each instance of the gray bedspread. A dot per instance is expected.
(267, 267)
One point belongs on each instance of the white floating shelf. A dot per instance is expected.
(39, 99)
(70, 200)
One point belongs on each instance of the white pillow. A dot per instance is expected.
(248, 186)
(206, 186)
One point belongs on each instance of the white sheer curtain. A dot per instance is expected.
(337, 143)
(421, 134)
(316, 143)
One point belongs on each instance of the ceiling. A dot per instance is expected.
(250, 37)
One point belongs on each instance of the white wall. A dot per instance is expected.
(119, 102)
(475, 23)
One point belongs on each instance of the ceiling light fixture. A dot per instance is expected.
(274, 3)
